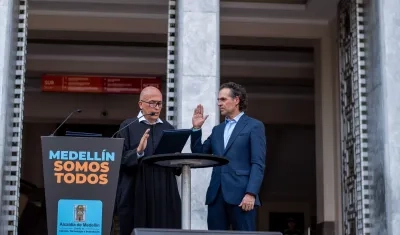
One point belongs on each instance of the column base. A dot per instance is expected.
(326, 228)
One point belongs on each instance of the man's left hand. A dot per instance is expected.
(247, 203)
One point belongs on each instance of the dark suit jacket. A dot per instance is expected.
(246, 151)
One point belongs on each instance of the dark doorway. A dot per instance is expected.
(279, 221)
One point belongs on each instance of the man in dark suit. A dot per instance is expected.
(233, 191)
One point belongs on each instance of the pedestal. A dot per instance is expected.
(186, 161)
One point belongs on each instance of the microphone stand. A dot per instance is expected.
(151, 114)
(72, 113)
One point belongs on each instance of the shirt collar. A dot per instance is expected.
(235, 119)
(143, 119)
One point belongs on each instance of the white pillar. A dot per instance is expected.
(197, 82)
(383, 96)
(10, 124)
(7, 74)
(326, 129)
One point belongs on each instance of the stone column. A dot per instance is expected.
(325, 133)
(197, 82)
(7, 75)
(383, 87)
(8, 53)
(6, 67)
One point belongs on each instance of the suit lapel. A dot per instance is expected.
(220, 136)
(238, 128)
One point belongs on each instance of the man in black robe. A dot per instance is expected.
(147, 195)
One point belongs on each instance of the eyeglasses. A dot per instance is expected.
(154, 104)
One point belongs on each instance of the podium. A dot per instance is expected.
(186, 161)
(143, 231)
(80, 179)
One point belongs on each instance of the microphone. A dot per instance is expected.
(149, 114)
(72, 113)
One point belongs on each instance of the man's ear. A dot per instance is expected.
(237, 100)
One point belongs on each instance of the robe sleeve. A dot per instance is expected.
(129, 156)
(176, 171)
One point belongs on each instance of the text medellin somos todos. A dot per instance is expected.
(81, 167)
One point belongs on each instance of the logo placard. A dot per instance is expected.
(79, 216)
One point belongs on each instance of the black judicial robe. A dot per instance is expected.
(147, 195)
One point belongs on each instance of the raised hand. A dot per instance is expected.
(143, 142)
(198, 118)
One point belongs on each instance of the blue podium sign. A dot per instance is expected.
(80, 179)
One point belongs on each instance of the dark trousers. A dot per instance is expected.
(222, 215)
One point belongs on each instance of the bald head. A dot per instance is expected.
(151, 102)
(149, 91)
